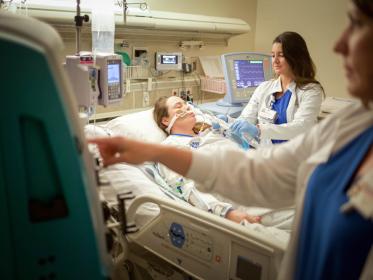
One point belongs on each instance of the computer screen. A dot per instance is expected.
(113, 73)
(243, 72)
(168, 59)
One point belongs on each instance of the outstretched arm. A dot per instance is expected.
(120, 149)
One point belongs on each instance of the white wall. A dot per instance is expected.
(243, 9)
(320, 22)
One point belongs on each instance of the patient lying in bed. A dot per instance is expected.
(187, 135)
(177, 119)
(180, 121)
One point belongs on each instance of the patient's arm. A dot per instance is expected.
(238, 216)
(203, 201)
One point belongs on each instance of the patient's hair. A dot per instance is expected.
(296, 53)
(160, 111)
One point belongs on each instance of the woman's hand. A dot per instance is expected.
(120, 149)
(240, 127)
(237, 216)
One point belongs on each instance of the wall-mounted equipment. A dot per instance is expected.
(83, 75)
(165, 61)
(140, 56)
(62, 11)
(93, 82)
(111, 78)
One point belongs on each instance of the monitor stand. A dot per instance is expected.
(222, 107)
(222, 102)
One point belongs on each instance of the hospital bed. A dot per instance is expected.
(173, 236)
(52, 202)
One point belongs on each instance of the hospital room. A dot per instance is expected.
(145, 139)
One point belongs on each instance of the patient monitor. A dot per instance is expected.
(243, 72)
(168, 61)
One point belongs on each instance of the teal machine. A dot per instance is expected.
(52, 225)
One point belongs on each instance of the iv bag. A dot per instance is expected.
(103, 26)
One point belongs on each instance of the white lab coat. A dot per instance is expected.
(278, 176)
(301, 113)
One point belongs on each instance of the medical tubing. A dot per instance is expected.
(251, 141)
(199, 113)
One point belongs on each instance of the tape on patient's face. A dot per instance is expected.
(179, 114)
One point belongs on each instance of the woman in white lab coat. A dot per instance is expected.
(283, 108)
(326, 172)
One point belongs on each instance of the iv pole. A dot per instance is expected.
(78, 24)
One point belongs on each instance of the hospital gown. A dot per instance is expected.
(275, 224)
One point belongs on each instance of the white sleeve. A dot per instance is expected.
(250, 112)
(304, 118)
(265, 177)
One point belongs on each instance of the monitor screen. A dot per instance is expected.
(249, 73)
(243, 73)
(168, 59)
(113, 73)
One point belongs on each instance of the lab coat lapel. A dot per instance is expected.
(275, 87)
(292, 102)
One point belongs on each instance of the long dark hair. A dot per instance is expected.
(365, 6)
(296, 53)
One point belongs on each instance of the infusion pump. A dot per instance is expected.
(110, 78)
(99, 81)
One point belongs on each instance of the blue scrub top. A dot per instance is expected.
(280, 106)
(332, 244)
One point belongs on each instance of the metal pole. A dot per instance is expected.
(77, 33)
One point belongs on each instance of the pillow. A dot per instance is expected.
(92, 131)
(140, 126)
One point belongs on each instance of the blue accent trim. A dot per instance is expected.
(280, 105)
(177, 235)
(334, 245)
(184, 135)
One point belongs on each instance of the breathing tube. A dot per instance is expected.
(180, 114)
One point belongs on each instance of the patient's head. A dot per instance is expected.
(174, 113)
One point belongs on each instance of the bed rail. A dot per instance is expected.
(203, 245)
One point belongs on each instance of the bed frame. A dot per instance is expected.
(184, 241)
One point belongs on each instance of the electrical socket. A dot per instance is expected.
(192, 60)
(186, 94)
(145, 99)
(175, 92)
(189, 91)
